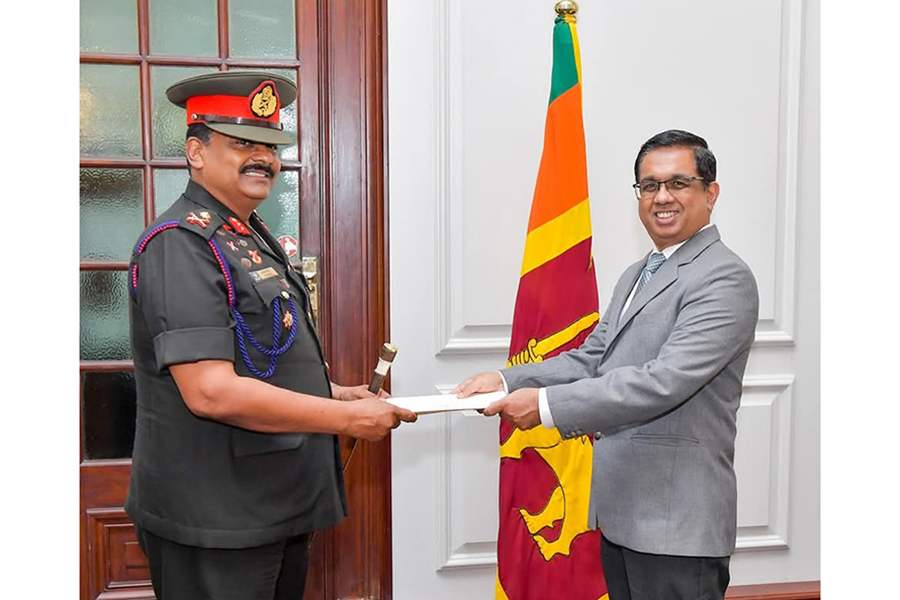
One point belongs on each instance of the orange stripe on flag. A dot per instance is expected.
(562, 178)
(555, 237)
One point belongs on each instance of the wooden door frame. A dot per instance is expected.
(352, 49)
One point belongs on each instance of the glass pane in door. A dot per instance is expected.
(184, 27)
(281, 210)
(108, 26)
(168, 185)
(104, 315)
(169, 121)
(262, 29)
(108, 408)
(110, 103)
(112, 212)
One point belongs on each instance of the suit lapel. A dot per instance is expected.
(630, 276)
(664, 277)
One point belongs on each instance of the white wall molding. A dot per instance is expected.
(780, 330)
(442, 483)
(470, 554)
(448, 151)
(478, 339)
(772, 394)
(476, 555)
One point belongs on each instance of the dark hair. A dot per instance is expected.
(201, 132)
(704, 160)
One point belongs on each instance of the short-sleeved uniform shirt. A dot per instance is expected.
(206, 286)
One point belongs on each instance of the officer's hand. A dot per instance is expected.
(356, 392)
(374, 418)
(489, 381)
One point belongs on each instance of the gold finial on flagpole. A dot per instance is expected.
(567, 7)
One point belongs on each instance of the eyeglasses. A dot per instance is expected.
(675, 186)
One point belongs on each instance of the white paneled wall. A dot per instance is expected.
(468, 84)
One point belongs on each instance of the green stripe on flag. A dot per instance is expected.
(565, 72)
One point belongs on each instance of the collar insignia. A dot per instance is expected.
(238, 226)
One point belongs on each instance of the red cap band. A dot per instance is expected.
(262, 104)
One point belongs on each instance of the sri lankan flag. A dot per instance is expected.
(544, 549)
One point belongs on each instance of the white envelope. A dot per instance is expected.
(445, 402)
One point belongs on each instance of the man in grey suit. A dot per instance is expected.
(657, 384)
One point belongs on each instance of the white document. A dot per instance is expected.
(445, 402)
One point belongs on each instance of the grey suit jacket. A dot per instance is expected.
(661, 386)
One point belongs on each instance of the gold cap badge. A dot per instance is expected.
(264, 100)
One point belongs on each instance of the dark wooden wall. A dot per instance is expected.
(354, 559)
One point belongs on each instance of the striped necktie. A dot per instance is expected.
(654, 262)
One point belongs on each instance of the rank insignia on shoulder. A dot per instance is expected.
(238, 226)
(202, 220)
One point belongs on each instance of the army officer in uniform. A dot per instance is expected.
(236, 459)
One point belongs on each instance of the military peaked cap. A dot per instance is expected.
(241, 104)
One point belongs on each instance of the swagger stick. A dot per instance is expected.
(385, 359)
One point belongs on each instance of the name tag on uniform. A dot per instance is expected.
(263, 274)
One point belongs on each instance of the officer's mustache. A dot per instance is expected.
(259, 167)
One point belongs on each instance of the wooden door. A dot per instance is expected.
(330, 196)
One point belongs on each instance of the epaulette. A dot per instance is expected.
(203, 223)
